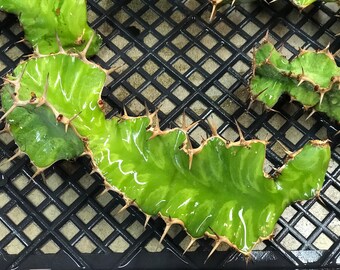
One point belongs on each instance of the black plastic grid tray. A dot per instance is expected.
(177, 60)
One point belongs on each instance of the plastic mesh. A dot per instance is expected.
(172, 58)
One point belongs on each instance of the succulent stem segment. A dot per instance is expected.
(300, 4)
(218, 189)
(312, 78)
(42, 20)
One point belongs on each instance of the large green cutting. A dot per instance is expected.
(218, 189)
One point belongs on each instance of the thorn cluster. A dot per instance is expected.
(316, 86)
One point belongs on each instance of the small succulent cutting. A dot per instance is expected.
(312, 78)
(300, 4)
(53, 109)
(43, 20)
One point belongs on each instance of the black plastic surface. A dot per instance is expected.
(135, 33)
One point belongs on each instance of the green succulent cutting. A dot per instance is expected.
(312, 78)
(218, 189)
(300, 4)
(43, 20)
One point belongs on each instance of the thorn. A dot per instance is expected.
(258, 94)
(156, 129)
(251, 102)
(326, 49)
(17, 81)
(303, 48)
(189, 151)
(213, 11)
(266, 36)
(20, 41)
(192, 241)
(36, 52)
(286, 150)
(106, 189)
(322, 94)
(166, 229)
(272, 110)
(70, 120)
(267, 60)
(103, 192)
(154, 134)
(84, 51)
(310, 115)
(38, 171)
(112, 69)
(127, 205)
(125, 114)
(306, 107)
(318, 197)
(217, 243)
(8, 112)
(300, 81)
(213, 128)
(7, 80)
(147, 218)
(18, 153)
(186, 127)
(120, 119)
(271, 237)
(152, 117)
(193, 125)
(60, 46)
(242, 140)
(157, 122)
(95, 169)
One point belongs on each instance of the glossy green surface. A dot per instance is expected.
(301, 4)
(305, 78)
(36, 132)
(331, 103)
(225, 191)
(304, 3)
(43, 19)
